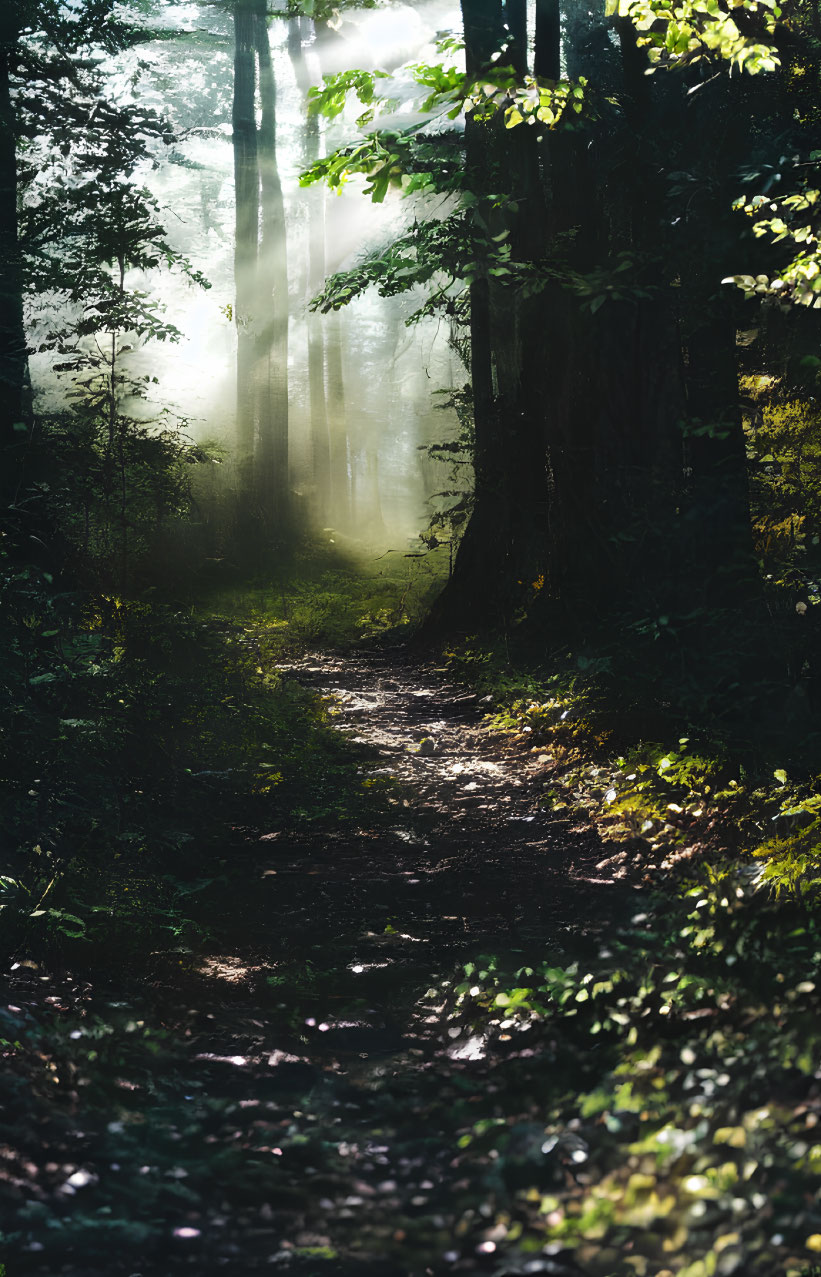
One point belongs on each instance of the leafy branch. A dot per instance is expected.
(331, 97)
(679, 34)
(799, 281)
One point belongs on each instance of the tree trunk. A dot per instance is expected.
(516, 18)
(547, 61)
(315, 200)
(503, 552)
(13, 351)
(246, 183)
(720, 538)
(719, 541)
(341, 461)
(272, 302)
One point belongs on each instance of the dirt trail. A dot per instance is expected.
(474, 833)
(298, 1100)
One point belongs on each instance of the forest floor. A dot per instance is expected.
(363, 1068)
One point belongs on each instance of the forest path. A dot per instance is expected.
(475, 852)
(296, 1096)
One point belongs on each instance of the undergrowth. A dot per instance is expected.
(139, 741)
(325, 599)
(679, 1045)
(674, 1125)
(684, 797)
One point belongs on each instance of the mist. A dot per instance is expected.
(324, 419)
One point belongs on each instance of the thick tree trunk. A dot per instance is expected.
(483, 22)
(547, 62)
(721, 562)
(481, 559)
(722, 570)
(503, 552)
(515, 13)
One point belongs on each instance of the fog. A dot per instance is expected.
(361, 385)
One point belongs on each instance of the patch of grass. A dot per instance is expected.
(332, 600)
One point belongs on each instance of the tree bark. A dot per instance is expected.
(503, 551)
(315, 200)
(272, 303)
(722, 566)
(720, 556)
(13, 346)
(342, 477)
(547, 63)
(246, 184)
(484, 30)
(515, 13)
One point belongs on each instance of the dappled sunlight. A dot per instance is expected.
(410, 676)
(613, 1096)
(231, 970)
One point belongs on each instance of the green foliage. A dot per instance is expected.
(449, 254)
(400, 160)
(324, 601)
(500, 90)
(330, 100)
(382, 158)
(114, 754)
(799, 280)
(322, 11)
(616, 281)
(664, 1085)
(663, 804)
(683, 33)
(111, 480)
(113, 504)
(532, 101)
(96, 24)
(430, 252)
(446, 86)
(793, 865)
(784, 450)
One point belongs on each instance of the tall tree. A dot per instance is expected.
(13, 356)
(261, 280)
(298, 29)
(594, 232)
(506, 540)
(48, 77)
(246, 241)
(271, 301)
